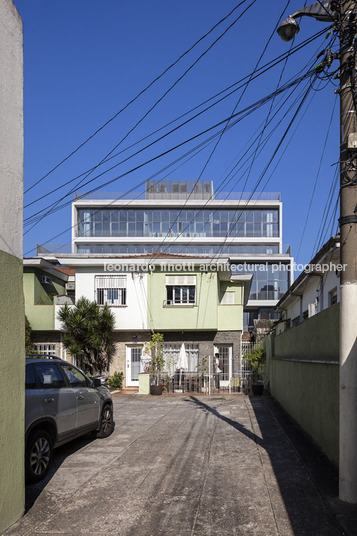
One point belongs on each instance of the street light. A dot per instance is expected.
(344, 12)
(321, 11)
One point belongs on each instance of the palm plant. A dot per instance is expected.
(88, 334)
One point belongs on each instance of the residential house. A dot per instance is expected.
(316, 288)
(193, 300)
(45, 287)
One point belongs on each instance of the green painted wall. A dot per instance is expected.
(230, 317)
(12, 392)
(39, 306)
(309, 392)
(315, 338)
(206, 315)
(306, 389)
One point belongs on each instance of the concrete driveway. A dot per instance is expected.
(182, 466)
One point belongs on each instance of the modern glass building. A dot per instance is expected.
(182, 217)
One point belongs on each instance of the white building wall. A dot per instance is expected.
(293, 310)
(11, 131)
(331, 281)
(312, 292)
(134, 314)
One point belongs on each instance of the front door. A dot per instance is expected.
(225, 363)
(133, 360)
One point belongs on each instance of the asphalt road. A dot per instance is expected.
(195, 466)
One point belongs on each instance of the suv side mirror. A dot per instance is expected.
(96, 382)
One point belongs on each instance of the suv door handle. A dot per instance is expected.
(49, 399)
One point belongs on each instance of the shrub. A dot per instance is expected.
(116, 381)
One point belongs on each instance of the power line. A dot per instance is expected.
(136, 97)
(248, 158)
(155, 104)
(228, 120)
(317, 176)
(244, 113)
(306, 75)
(260, 72)
(270, 160)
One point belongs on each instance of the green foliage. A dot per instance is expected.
(28, 342)
(88, 335)
(202, 366)
(157, 364)
(256, 359)
(116, 381)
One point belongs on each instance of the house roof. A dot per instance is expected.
(42, 264)
(299, 285)
(65, 270)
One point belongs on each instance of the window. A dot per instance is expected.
(244, 222)
(110, 290)
(30, 381)
(295, 321)
(332, 296)
(228, 297)
(46, 349)
(172, 354)
(192, 356)
(49, 375)
(181, 290)
(75, 376)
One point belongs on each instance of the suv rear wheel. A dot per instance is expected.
(38, 455)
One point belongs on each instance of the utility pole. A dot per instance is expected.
(348, 237)
(344, 13)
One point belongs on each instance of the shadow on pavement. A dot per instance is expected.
(239, 427)
(299, 478)
(32, 491)
(306, 478)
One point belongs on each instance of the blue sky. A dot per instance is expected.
(86, 59)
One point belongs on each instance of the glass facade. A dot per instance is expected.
(258, 314)
(189, 249)
(173, 222)
(270, 280)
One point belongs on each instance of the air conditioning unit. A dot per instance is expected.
(311, 309)
(45, 279)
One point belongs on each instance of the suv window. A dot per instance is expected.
(30, 381)
(49, 375)
(75, 377)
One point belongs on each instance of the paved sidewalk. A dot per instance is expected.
(195, 466)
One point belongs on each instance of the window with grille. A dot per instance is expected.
(181, 290)
(172, 354)
(332, 296)
(111, 290)
(46, 349)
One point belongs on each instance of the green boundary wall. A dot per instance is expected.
(303, 370)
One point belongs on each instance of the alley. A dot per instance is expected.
(181, 466)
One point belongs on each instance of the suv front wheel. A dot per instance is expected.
(106, 422)
(38, 455)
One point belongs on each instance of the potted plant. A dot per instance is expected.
(157, 363)
(256, 360)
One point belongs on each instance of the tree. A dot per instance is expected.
(28, 342)
(157, 364)
(256, 360)
(88, 335)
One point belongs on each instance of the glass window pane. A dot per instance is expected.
(49, 375)
(76, 378)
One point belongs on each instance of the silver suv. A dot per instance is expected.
(62, 403)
